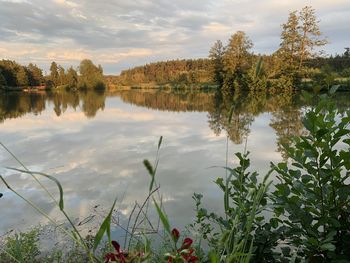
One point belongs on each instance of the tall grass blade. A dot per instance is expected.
(163, 217)
(105, 228)
(25, 167)
(61, 202)
(227, 194)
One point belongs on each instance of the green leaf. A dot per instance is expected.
(321, 132)
(60, 203)
(328, 246)
(105, 227)
(286, 251)
(163, 217)
(274, 222)
(334, 89)
(214, 257)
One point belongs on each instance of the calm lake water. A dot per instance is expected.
(94, 143)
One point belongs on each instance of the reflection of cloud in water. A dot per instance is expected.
(99, 158)
(69, 120)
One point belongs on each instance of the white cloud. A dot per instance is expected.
(119, 34)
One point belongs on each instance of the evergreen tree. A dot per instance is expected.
(72, 78)
(216, 54)
(290, 37)
(61, 76)
(54, 76)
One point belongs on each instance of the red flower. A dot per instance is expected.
(176, 234)
(187, 256)
(116, 246)
(193, 259)
(186, 243)
(110, 257)
(118, 256)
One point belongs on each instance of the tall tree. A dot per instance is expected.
(72, 77)
(61, 76)
(237, 56)
(36, 77)
(310, 34)
(54, 76)
(290, 37)
(91, 76)
(216, 54)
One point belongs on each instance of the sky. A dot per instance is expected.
(119, 34)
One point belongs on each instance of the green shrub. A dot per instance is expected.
(22, 247)
(241, 234)
(312, 197)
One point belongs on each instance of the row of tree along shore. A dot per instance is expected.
(297, 63)
(14, 76)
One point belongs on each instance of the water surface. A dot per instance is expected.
(94, 143)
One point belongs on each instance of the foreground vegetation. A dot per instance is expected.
(298, 212)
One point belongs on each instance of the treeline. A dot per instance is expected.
(185, 71)
(13, 74)
(294, 64)
(339, 65)
(16, 76)
(90, 76)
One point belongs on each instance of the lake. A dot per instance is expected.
(95, 142)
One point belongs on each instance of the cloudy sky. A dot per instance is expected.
(119, 34)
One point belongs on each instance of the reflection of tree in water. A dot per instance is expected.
(218, 117)
(167, 100)
(287, 117)
(285, 108)
(17, 104)
(287, 122)
(62, 100)
(246, 105)
(92, 101)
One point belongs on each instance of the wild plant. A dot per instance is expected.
(312, 197)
